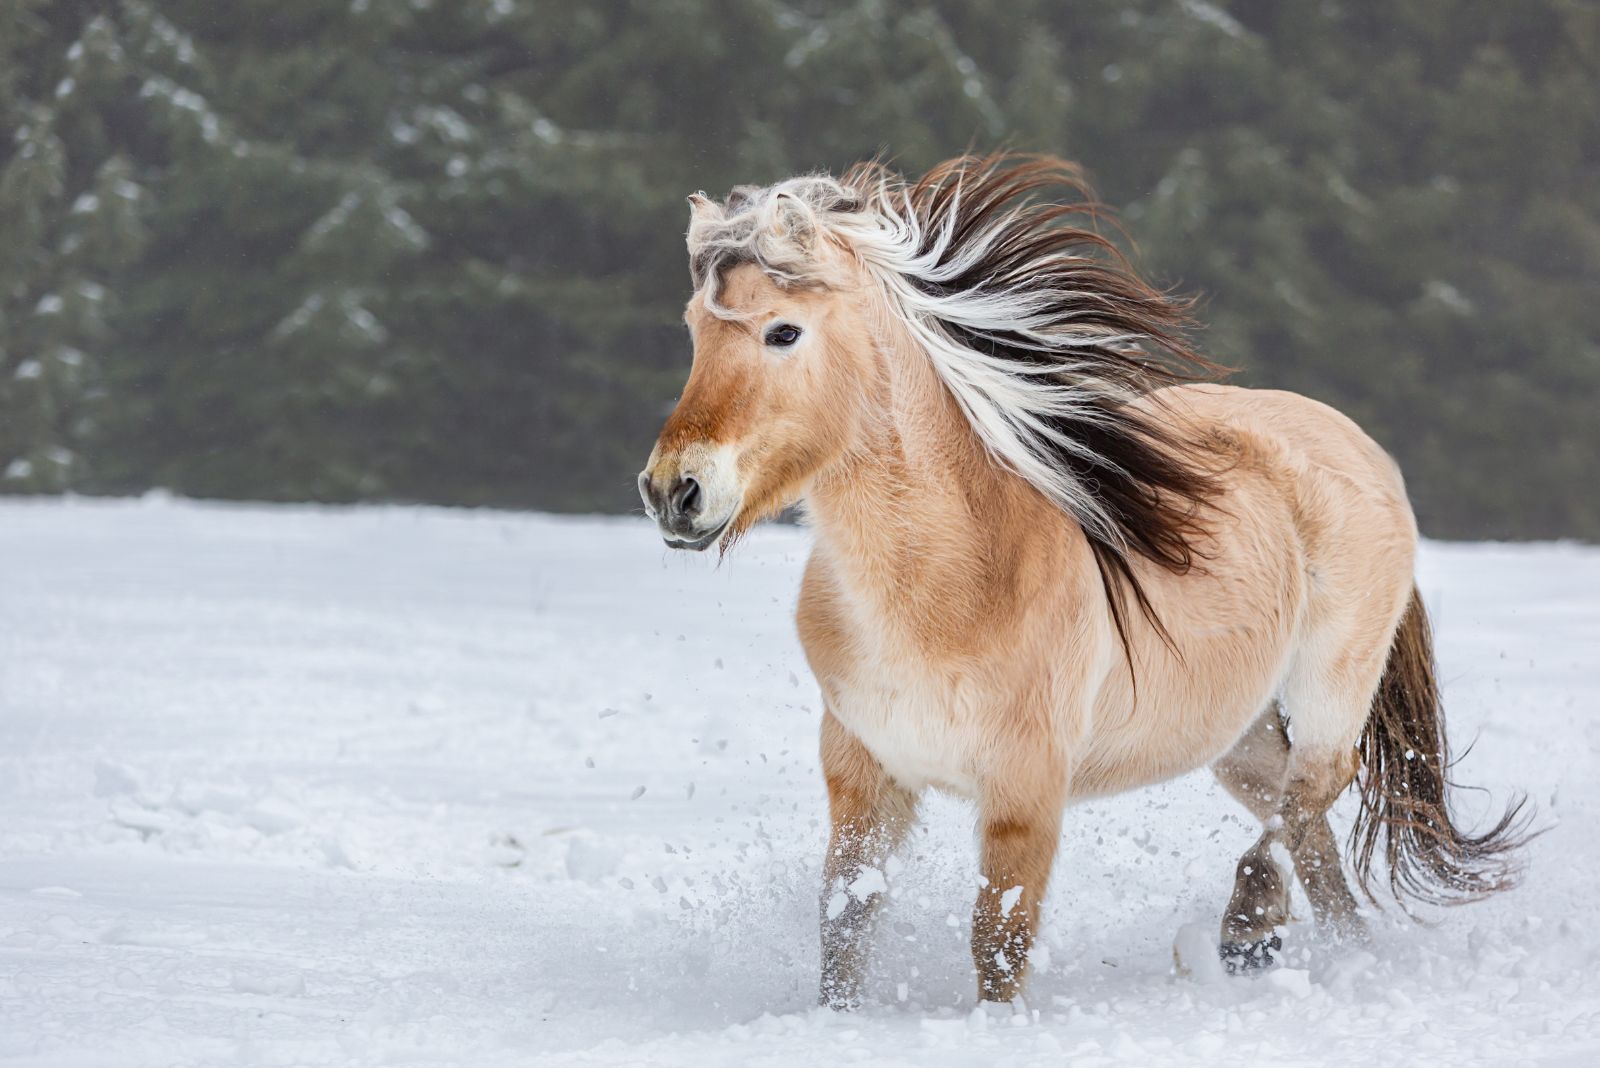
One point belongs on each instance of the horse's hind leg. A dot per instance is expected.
(1290, 794)
(1328, 695)
(1299, 830)
(1253, 771)
(1349, 625)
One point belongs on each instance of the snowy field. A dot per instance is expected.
(410, 786)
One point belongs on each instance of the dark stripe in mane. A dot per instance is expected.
(1119, 335)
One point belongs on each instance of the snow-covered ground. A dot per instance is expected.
(410, 786)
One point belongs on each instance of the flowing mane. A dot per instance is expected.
(1040, 329)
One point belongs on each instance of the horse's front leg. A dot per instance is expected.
(870, 815)
(1020, 824)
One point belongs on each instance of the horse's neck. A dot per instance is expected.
(919, 522)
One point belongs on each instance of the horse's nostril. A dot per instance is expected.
(686, 496)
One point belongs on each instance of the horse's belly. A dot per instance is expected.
(1178, 723)
(920, 732)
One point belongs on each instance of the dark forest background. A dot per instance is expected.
(371, 249)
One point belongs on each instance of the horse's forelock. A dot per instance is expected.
(779, 228)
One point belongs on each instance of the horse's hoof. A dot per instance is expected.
(1241, 958)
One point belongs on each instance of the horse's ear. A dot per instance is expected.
(701, 206)
(847, 200)
(792, 218)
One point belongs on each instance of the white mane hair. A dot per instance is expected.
(1041, 331)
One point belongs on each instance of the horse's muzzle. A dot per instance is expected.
(678, 510)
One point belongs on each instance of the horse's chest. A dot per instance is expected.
(921, 728)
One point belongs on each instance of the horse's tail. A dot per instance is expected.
(1404, 792)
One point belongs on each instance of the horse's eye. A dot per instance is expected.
(783, 335)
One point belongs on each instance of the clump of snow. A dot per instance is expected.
(1009, 899)
(869, 882)
(1295, 982)
(1194, 952)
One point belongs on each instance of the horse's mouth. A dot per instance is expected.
(700, 544)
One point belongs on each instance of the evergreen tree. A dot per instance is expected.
(256, 358)
(70, 210)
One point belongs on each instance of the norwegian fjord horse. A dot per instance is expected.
(1051, 561)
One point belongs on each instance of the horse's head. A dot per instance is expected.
(781, 363)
